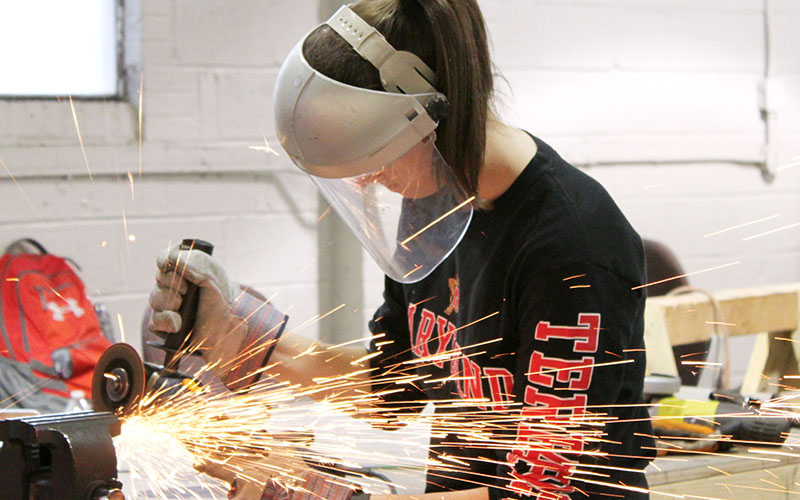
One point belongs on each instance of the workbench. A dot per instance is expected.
(743, 473)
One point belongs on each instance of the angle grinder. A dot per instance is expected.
(121, 378)
(719, 425)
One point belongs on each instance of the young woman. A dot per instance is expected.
(511, 271)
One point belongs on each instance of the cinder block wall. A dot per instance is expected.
(661, 101)
(208, 74)
(669, 104)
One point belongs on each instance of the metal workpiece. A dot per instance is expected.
(68, 456)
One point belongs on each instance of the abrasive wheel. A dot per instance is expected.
(119, 380)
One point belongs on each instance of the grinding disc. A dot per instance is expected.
(119, 379)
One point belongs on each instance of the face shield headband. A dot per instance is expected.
(372, 154)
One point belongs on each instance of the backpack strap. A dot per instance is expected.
(25, 246)
(3, 331)
(29, 246)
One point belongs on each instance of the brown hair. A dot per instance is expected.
(450, 37)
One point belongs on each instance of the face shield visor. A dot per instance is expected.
(373, 155)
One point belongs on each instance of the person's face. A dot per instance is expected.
(411, 176)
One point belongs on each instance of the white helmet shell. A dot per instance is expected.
(372, 154)
(331, 129)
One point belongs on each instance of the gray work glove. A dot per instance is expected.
(265, 479)
(247, 482)
(234, 331)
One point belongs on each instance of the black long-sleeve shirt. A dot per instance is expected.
(549, 276)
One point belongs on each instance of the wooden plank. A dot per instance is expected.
(690, 317)
(773, 364)
(656, 341)
(754, 381)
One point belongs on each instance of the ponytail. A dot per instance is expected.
(450, 37)
(410, 6)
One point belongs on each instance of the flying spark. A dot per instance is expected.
(141, 89)
(784, 228)
(792, 163)
(133, 191)
(739, 226)
(121, 327)
(28, 200)
(271, 430)
(324, 214)
(446, 214)
(266, 148)
(80, 137)
(687, 274)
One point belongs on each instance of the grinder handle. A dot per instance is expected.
(173, 344)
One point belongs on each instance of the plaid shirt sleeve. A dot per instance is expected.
(315, 486)
(265, 324)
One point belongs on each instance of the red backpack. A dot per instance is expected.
(50, 336)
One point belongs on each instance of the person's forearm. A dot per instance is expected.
(473, 494)
(314, 364)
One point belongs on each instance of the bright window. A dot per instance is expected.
(58, 48)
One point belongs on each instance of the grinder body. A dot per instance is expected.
(121, 378)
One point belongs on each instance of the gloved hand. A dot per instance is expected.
(256, 480)
(247, 483)
(234, 330)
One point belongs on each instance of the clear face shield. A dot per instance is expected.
(409, 215)
(373, 155)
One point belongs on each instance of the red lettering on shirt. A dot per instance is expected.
(447, 331)
(585, 334)
(546, 449)
(565, 408)
(544, 371)
(412, 310)
(544, 444)
(473, 384)
(455, 368)
(501, 384)
(549, 440)
(424, 332)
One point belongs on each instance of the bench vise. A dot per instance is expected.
(66, 456)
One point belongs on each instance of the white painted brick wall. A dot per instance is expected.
(209, 70)
(640, 83)
(663, 94)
